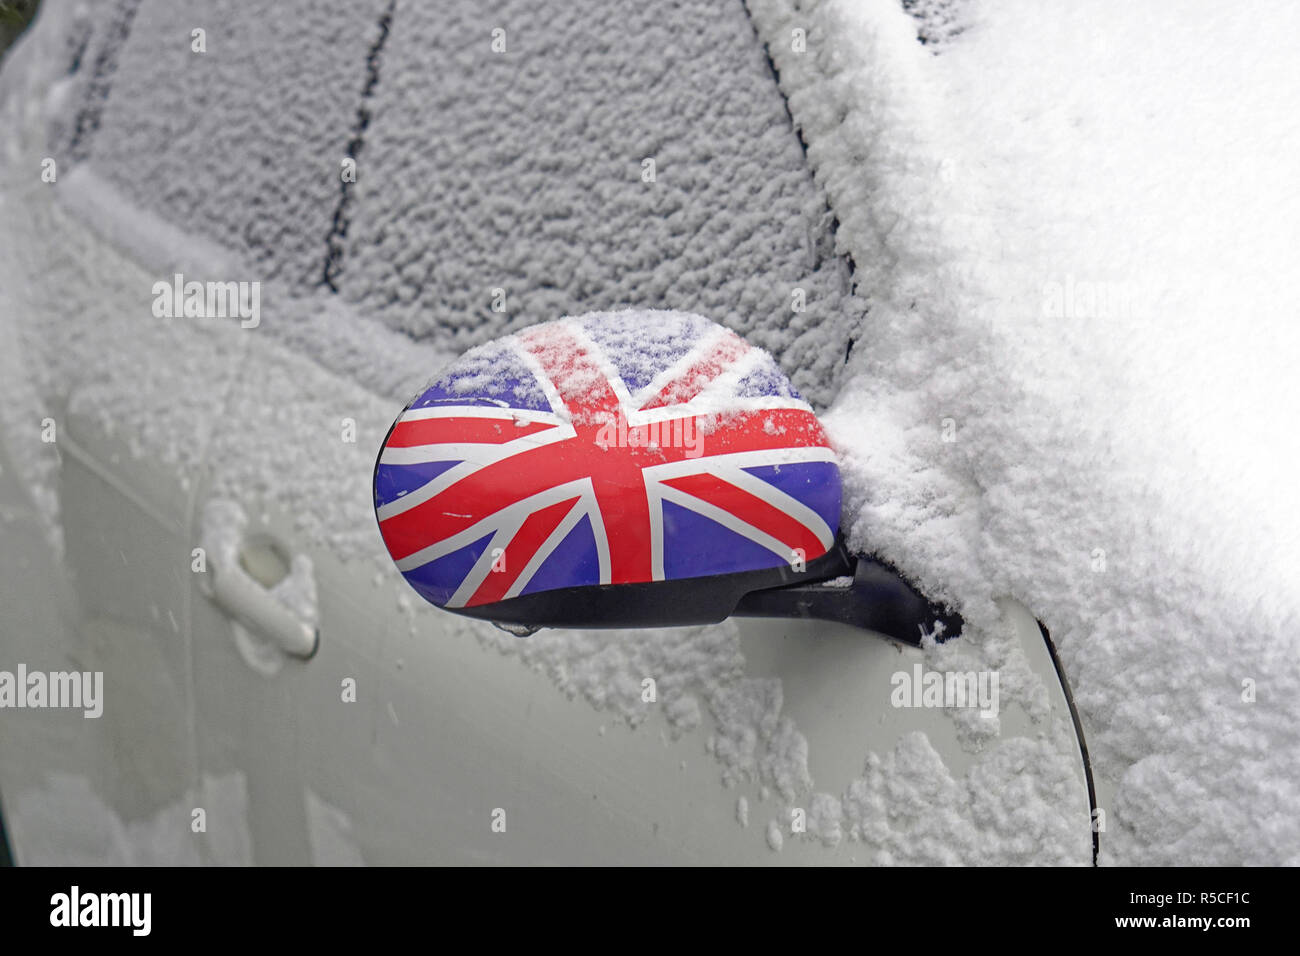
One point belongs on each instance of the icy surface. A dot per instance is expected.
(1119, 456)
(519, 170)
(775, 839)
(243, 143)
(522, 171)
(660, 357)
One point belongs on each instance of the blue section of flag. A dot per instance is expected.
(437, 581)
(639, 352)
(813, 483)
(395, 481)
(766, 380)
(696, 546)
(573, 563)
(492, 375)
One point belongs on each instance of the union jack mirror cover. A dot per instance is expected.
(608, 449)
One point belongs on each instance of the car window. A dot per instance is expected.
(242, 141)
(511, 166)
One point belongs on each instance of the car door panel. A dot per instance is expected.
(127, 401)
(411, 731)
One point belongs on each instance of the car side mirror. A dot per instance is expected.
(627, 469)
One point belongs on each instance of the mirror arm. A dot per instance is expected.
(867, 594)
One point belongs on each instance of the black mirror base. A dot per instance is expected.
(855, 590)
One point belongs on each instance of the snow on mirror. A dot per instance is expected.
(638, 469)
(611, 470)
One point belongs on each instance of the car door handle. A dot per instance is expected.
(236, 592)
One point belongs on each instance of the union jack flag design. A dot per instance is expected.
(605, 449)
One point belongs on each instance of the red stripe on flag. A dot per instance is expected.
(531, 535)
(701, 373)
(473, 498)
(752, 510)
(576, 376)
(762, 430)
(616, 479)
(467, 429)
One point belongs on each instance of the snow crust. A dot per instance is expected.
(522, 171)
(1119, 456)
(243, 143)
(454, 195)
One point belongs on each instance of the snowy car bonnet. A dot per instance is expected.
(626, 469)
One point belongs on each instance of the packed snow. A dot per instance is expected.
(1076, 377)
